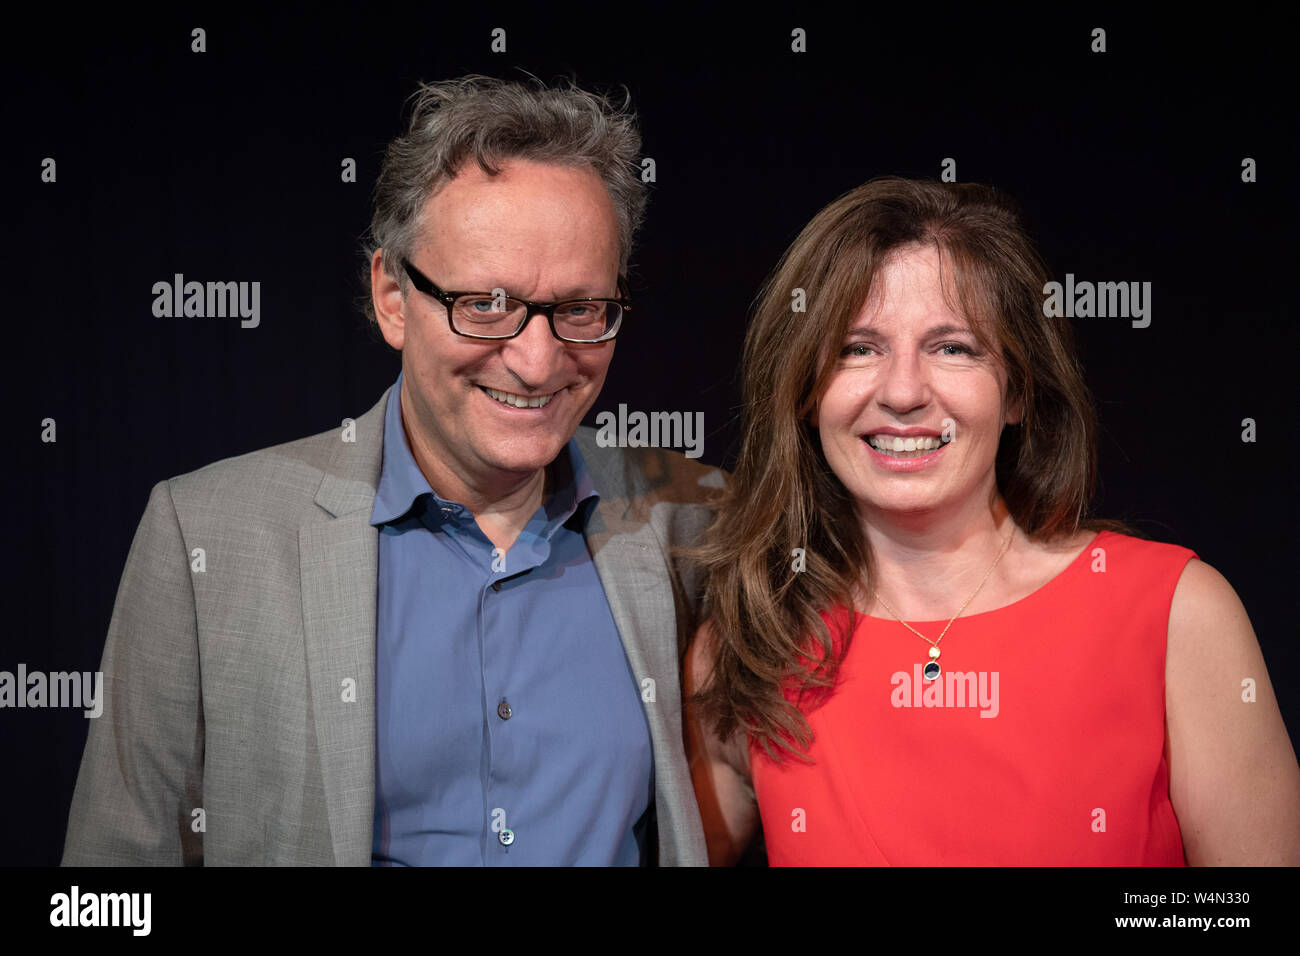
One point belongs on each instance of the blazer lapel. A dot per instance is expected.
(637, 586)
(635, 579)
(339, 569)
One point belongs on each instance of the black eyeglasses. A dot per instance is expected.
(489, 315)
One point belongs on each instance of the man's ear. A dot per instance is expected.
(386, 299)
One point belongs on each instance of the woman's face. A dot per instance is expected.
(911, 371)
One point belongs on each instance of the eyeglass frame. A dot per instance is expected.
(448, 298)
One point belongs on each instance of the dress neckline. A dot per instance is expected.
(1041, 590)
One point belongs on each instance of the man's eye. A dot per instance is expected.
(485, 305)
(858, 351)
(582, 313)
(961, 349)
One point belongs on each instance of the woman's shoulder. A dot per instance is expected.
(1172, 575)
(1134, 553)
(1101, 564)
(1138, 544)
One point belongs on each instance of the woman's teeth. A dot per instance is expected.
(897, 447)
(518, 401)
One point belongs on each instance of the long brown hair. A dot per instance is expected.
(783, 495)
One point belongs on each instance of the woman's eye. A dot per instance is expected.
(856, 350)
(960, 349)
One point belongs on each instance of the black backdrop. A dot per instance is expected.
(225, 165)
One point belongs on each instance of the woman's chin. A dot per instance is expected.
(899, 505)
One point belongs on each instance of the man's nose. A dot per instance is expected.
(534, 355)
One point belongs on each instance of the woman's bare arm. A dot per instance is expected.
(1233, 782)
(719, 769)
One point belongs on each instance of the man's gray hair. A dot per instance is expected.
(489, 121)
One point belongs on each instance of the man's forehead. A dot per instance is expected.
(531, 234)
(568, 202)
(518, 174)
(478, 265)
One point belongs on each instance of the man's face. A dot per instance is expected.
(538, 231)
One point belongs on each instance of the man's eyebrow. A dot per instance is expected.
(582, 292)
(574, 292)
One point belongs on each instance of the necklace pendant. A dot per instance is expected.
(931, 671)
(934, 653)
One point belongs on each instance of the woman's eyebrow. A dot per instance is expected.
(929, 333)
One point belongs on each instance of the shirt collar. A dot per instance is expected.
(402, 483)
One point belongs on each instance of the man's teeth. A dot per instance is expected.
(518, 401)
(894, 444)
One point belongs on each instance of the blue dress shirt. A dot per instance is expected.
(509, 725)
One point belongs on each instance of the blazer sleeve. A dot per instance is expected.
(141, 777)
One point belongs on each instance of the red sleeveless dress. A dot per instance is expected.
(1041, 743)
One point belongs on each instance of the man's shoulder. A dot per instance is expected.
(282, 481)
(654, 475)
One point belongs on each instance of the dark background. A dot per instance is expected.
(226, 166)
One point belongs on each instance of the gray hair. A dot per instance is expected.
(490, 120)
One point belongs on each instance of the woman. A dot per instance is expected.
(919, 649)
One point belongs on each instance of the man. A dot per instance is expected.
(447, 633)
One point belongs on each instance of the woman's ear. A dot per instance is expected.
(1014, 412)
(1014, 415)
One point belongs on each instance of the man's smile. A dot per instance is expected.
(518, 401)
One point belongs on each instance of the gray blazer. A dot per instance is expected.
(239, 679)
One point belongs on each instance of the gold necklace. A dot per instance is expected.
(932, 668)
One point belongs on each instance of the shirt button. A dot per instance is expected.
(506, 837)
(503, 709)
